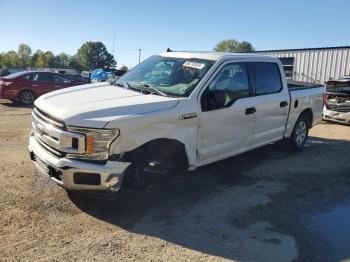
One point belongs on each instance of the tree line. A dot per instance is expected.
(90, 55)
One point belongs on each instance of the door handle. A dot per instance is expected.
(57, 86)
(283, 104)
(250, 110)
(34, 85)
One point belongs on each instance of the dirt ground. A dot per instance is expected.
(259, 206)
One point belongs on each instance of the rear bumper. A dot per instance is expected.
(8, 94)
(338, 117)
(77, 175)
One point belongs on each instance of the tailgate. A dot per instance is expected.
(305, 98)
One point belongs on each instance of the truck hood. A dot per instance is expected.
(94, 105)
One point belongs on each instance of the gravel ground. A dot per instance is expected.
(259, 206)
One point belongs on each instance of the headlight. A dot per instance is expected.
(97, 142)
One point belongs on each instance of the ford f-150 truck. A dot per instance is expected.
(175, 109)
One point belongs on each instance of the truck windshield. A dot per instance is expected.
(171, 76)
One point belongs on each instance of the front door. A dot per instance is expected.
(227, 120)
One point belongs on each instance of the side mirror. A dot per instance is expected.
(214, 100)
(219, 98)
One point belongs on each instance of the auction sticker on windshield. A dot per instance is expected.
(194, 65)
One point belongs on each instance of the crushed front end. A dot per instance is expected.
(76, 158)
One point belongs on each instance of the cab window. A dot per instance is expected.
(267, 78)
(230, 84)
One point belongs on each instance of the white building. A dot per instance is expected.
(313, 64)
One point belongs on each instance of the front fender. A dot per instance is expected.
(137, 133)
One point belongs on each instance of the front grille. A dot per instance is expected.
(47, 118)
(52, 135)
(51, 150)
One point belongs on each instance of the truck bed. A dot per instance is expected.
(294, 85)
(302, 96)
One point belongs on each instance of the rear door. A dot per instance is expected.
(271, 102)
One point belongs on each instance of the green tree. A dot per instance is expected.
(10, 59)
(232, 45)
(49, 59)
(124, 68)
(73, 63)
(38, 59)
(63, 60)
(1, 58)
(92, 55)
(24, 56)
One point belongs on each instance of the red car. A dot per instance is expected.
(26, 86)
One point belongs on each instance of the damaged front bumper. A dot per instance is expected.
(74, 174)
(339, 117)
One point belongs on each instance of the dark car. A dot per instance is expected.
(25, 87)
(4, 72)
(78, 78)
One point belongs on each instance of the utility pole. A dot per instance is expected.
(139, 55)
(113, 42)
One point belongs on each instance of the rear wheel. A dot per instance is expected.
(26, 97)
(300, 132)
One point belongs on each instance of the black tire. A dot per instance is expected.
(300, 133)
(134, 177)
(150, 167)
(26, 97)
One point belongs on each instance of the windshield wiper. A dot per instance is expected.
(155, 90)
(122, 83)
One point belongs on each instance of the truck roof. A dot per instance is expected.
(215, 56)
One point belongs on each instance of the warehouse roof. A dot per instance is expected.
(304, 49)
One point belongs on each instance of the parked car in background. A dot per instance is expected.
(4, 72)
(26, 86)
(101, 75)
(9, 71)
(78, 78)
(337, 101)
(86, 74)
(118, 73)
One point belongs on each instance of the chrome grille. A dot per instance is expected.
(46, 118)
(53, 136)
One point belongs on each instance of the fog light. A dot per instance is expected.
(112, 181)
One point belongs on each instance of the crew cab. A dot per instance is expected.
(174, 110)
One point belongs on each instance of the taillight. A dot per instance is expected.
(5, 83)
(325, 99)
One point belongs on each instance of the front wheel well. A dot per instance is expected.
(171, 149)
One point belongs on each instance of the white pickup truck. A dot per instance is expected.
(176, 109)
